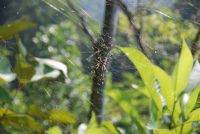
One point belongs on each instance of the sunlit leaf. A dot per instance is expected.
(97, 130)
(9, 118)
(53, 64)
(192, 100)
(177, 112)
(11, 29)
(110, 127)
(145, 69)
(5, 112)
(104, 128)
(185, 128)
(57, 115)
(23, 70)
(154, 116)
(194, 116)
(8, 77)
(182, 69)
(197, 105)
(2, 82)
(165, 86)
(164, 131)
(51, 75)
(194, 77)
(54, 130)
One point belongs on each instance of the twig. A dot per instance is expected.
(137, 31)
(194, 46)
(84, 26)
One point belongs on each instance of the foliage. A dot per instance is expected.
(45, 73)
(168, 97)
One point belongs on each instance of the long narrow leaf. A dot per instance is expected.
(192, 100)
(145, 69)
(182, 69)
(165, 86)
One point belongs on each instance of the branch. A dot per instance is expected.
(101, 59)
(84, 26)
(194, 46)
(137, 31)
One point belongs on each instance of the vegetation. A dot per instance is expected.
(128, 73)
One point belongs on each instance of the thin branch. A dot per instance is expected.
(84, 26)
(195, 47)
(137, 31)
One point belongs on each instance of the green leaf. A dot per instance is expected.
(197, 105)
(164, 131)
(110, 127)
(2, 82)
(182, 70)
(9, 118)
(123, 99)
(93, 127)
(57, 115)
(105, 128)
(53, 64)
(97, 130)
(11, 29)
(6, 78)
(54, 130)
(142, 64)
(177, 113)
(23, 70)
(165, 86)
(145, 70)
(194, 116)
(192, 100)
(185, 128)
(4, 95)
(154, 116)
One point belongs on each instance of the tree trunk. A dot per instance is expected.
(101, 58)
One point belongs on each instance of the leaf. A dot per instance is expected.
(10, 118)
(194, 116)
(194, 79)
(57, 115)
(123, 99)
(177, 112)
(8, 77)
(4, 96)
(93, 127)
(164, 131)
(197, 105)
(110, 127)
(97, 130)
(11, 29)
(142, 64)
(192, 101)
(23, 70)
(2, 82)
(185, 128)
(51, 75)
(54, 130)
(182, 69)
(5, 112)
(154, 117)
(53, 64)
(105, 128)
(145, 70)
(165, 87)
